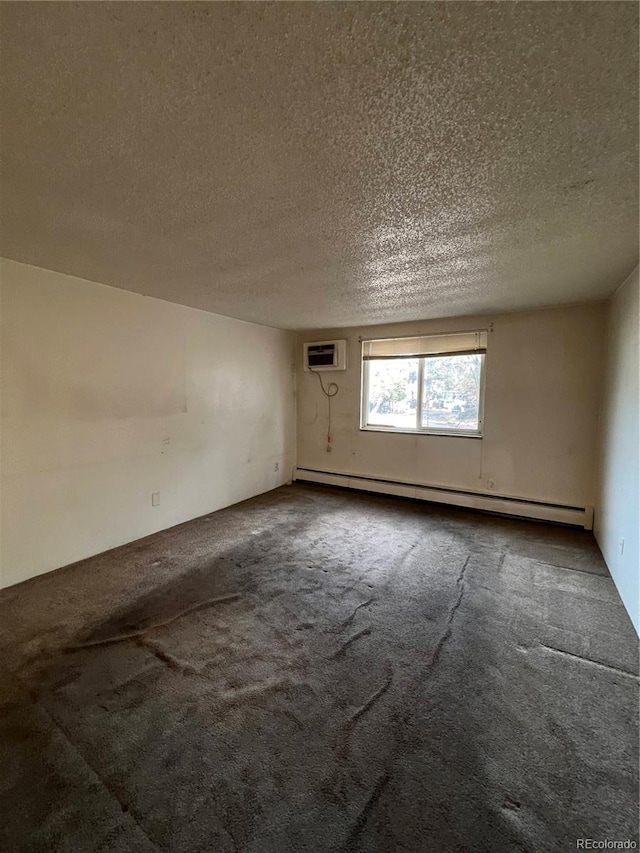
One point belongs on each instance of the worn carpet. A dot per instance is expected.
(316, 670)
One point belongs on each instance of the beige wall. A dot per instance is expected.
(109, 396)
(543, 382)
(617, 517)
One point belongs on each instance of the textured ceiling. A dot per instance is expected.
(325, 164)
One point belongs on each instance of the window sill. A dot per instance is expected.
(449, 433)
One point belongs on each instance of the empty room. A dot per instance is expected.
(320, 427)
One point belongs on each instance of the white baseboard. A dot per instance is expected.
(521, 507)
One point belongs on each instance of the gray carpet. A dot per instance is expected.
(316, 670)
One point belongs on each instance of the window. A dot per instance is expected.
(428, 384)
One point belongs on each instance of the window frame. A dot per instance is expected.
(418, 430)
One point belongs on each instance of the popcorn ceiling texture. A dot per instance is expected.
(308, 165)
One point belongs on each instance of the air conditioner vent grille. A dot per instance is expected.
(325, 355)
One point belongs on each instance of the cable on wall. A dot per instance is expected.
(330, 391)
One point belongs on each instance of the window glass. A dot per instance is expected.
(393, 393)
(451, 392)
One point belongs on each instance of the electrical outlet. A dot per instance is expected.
(155, 499)
(276, 466)
(621, 547)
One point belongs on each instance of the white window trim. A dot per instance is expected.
(418, 430)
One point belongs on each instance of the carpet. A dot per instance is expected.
(323, 671)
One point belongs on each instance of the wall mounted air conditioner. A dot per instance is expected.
(325, 355)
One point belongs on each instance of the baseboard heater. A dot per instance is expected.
(521, 507)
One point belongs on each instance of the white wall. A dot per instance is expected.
(108, 396)
(543, 383)
(618, 505)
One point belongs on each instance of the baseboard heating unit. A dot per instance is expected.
(521, 507)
